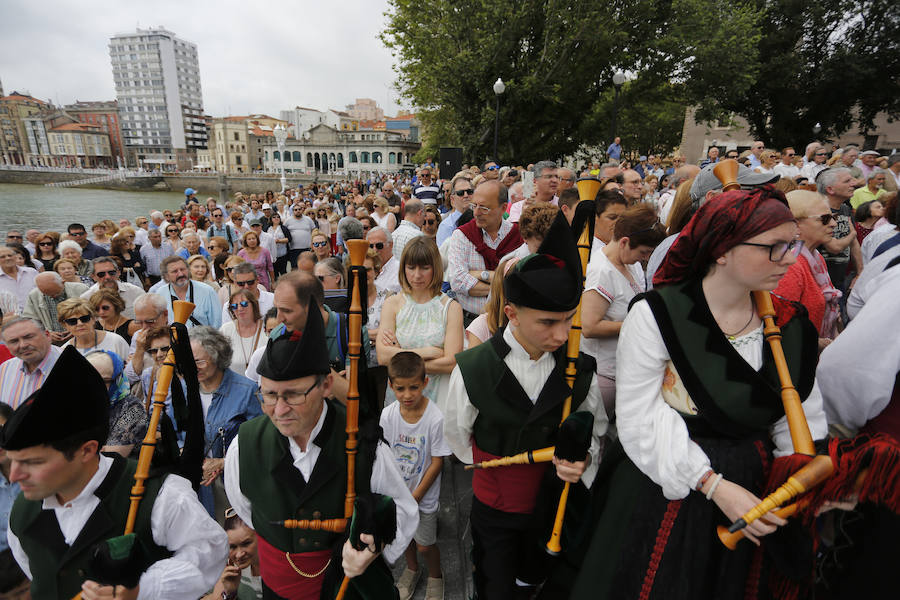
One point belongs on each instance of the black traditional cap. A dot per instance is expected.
(551, 279)
(296, 354)
(73, 401)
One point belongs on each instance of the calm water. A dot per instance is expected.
(52, 209)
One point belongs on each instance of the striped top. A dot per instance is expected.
(16, 383)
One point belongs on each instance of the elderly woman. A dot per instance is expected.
(101, 234)
(806, 281)
(245, 330)
(259, 257)
(330, 272)
(123, 247)
(382, 214)
(127, 418)
(79, 319)
(108, 305)
(767, 161)
(422, 319)
(201, 271)
(68, 270)
(228, 399)
(45, 249)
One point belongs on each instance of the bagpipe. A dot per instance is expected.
(373, 514)
(574, 435)
(116, 561)
(866, 468)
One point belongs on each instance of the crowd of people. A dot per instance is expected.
(471, 286)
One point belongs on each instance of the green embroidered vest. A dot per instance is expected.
(508, 422)
(278, 491)
(733, 400)
(58, 569)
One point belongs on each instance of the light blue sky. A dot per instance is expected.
(260, 57)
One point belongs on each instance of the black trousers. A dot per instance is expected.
(280, 265)
(505, 547)
(293, 255)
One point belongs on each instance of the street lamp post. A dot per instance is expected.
(499, 88)
(618, 79)
(280, 134)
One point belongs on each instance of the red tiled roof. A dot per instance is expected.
(15, 96)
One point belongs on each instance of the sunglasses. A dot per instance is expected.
(102, 274)
(155, 351)
(76, 320)
(48, 244)
(462, 193)
(248, 283)
(821, 154)
(14, 237)
(377, 245)
(825, 219)
(242, 304)
(494, 168)
(78, 233)
(104, 307)
(430, 221)
(171, 231)
(319, 244)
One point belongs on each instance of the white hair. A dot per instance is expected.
(67, 244)
(156, 215)
(387, 234)
(154, 301)
(188, 233)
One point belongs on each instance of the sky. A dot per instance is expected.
(259, 56)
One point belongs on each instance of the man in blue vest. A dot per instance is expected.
(74, 497)
(505, 397)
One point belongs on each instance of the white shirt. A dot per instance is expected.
(460, 414)
(266, 301)
(653, 434)
(20, 285)
(405, 231)
(857, 370)
(140, 236)
(112, 341)
(605, 279)
(657, 258)
(389, 277)
(385, 479)
(178, 522)
(128, 292)
(789, 171)
(872, 279)
(267, 241)
(876, 238)
(810, 170)
(243, 348)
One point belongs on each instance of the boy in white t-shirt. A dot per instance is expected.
(414, 428)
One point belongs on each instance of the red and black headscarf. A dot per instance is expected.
(720, 225)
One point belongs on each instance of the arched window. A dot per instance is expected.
(324, 162)
(392, 158)
(340, 160)
(277, 155)
(309, 159)
(364, 157)
(287, 156)
(331, 157)
(318, 162)
(297, 156)
(267, 155)
(352, 157)
(376, 157)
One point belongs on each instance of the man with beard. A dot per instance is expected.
(179, 286)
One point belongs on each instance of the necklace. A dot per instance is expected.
(732, 336)
(287, 555)
(241, 339)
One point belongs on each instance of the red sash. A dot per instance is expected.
(283, 579)
(512, 489)
(490, 255)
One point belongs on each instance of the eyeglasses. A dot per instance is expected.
(426, 174)
(155, 351)
(217, 215)
(201, 363)
(77, 320)
(104, 307)
(78, 233)
(247, 283)
(321, 244)
(462, 193)
(229, 269)
(821, 153)
(790, 155)
(321, 278)
(14, 237)
(778, 250)
(494, 168)
(142, 322)
(377, 245)
(480, 208)
(242, 304)
(430, 221)
(825, 219)
(549, 177)
(171, 231)
(290, 397)
(48, 244)
(103, 274)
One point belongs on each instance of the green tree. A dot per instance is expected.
(557, 58)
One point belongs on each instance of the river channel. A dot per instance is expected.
(52, 209)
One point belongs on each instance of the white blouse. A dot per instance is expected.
(653, 434)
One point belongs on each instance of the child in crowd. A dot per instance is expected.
(414, 428)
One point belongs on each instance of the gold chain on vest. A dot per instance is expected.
(287, 555)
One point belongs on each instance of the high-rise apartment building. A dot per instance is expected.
(157, 78)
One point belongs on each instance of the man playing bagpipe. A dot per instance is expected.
(75, 500)
(506, 396)
(290, 464)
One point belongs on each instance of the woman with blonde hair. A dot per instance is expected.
(201, 271)
(382, 214)
(262, 261)
(421, 319)
(493, 318)
(227, 283)
(767, 161)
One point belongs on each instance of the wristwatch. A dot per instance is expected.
(486, 276)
